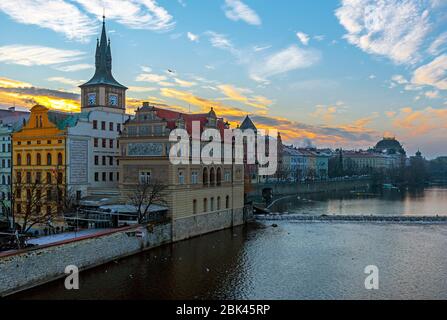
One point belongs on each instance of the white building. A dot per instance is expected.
(93, 147)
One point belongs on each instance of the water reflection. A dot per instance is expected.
(293, 261)
(431, 201)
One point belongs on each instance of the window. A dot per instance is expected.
(111, 143)
(28, 194)
(212, 177)
(205, 205)
(95, 142)
(60, 177)
(3, 179)
(194, 206)
(96, 176)
(110, 176)
(19, 208)
(212, 204)
(118, 127)
(48, 141)
(219, 176)
(194, 177)
(49, 195)
(59, 158)
(218, 203)
(103, 143)
(3, 163)
(19, 177)
(19, 159)
(39, 159)
(28, 177)
(104, 176)
(3, 147)
(78, 194)
(145, 177)
(28, 159)
(103, 125)
(181, 177)
(9, 163)
(227, 176)
(103, 160)
(49, 159)
(96, 160)
(227, 202)
(95, 124)
(111, 161)
(9, 180)
(117, 143)
(111, 126)
(19, 193)
(117, 176)
(49, 178)
(38, 177)
(205, 176)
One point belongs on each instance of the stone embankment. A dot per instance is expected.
(352, 218)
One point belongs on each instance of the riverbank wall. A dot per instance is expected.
(351, 218)
(24, 269)
(300, 188)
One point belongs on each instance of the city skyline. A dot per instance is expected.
(346, 82)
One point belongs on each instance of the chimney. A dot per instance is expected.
(145, 104)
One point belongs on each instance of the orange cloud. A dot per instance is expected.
(417, 122)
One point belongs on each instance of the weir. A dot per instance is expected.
(351, 218)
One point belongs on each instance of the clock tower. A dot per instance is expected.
(103, 92)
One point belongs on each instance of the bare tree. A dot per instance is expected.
(42, 204)
(145, 195)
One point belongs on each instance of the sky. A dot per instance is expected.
(324, 73)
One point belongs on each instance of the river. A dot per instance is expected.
(292, 261)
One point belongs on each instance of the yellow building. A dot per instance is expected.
(39, 167)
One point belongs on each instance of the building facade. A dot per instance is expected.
(11, 120)
(201, 198)
(39, 165)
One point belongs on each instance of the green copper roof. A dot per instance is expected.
(103, 64)
(64, 120)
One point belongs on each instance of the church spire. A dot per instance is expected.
(103, 61)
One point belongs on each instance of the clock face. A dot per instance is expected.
(91, 99)
(113, 100)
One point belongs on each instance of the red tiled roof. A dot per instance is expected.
(172, 116)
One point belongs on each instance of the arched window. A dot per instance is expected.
(39, 159)
(194, 206)
(205, 176)
(227, 202)
(219, 176)
(28, 159)
(19, 159)
(59, 158)
(49, 159)
(218, 203)
(212, 177)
